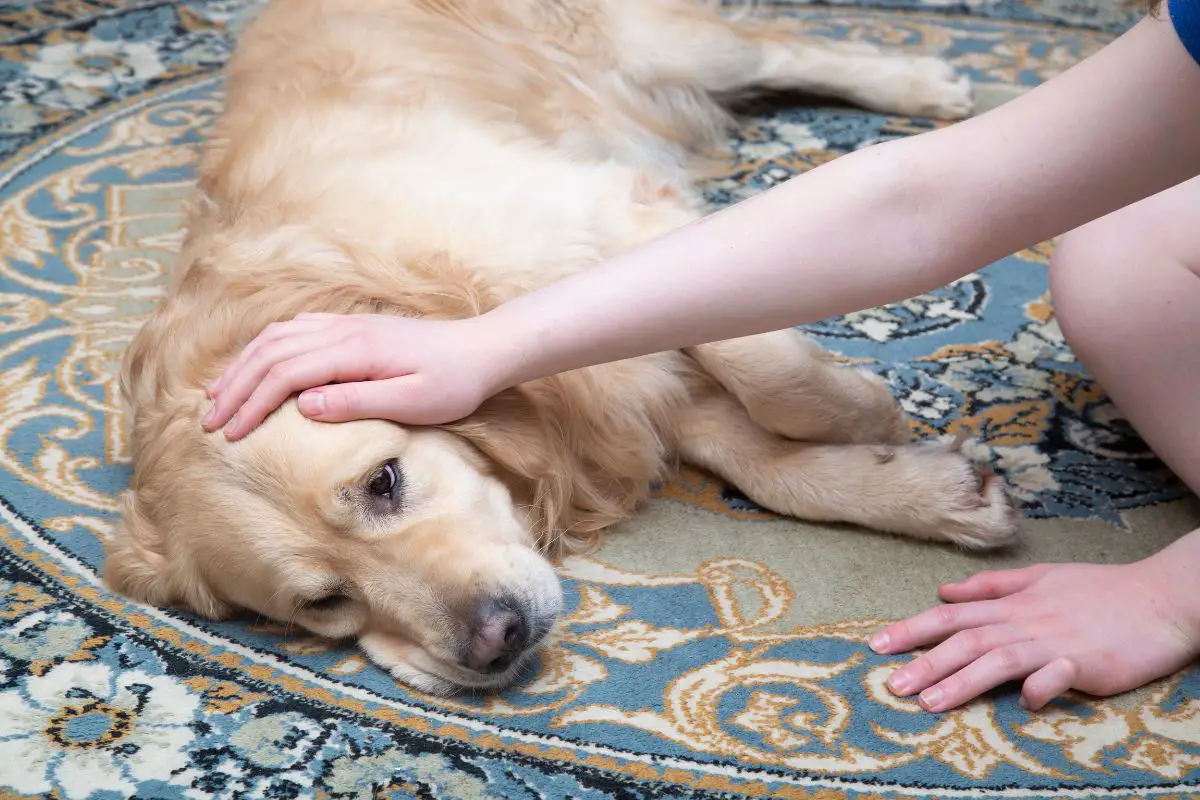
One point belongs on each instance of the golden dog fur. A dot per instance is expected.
(434, 158)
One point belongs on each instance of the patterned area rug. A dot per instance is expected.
(711, 649)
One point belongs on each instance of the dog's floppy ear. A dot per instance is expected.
(508, 430)
(555, 458)
(137, 565)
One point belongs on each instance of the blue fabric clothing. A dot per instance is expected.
(1185, 15)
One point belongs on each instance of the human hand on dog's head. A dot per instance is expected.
(360, 366)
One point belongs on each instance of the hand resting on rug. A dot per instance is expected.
(877, 226)
(1101, 629)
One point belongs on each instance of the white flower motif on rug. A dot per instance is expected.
(84, 728)
(96, 63)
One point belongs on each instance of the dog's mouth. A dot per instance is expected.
(498, 649)
(446, 678)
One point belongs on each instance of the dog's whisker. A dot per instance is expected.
(287, 627)
(547, 548)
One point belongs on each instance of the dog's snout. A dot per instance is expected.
(502, 634)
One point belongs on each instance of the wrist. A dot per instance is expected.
(509, 349)
(1175, 571)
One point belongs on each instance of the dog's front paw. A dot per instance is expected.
(968, 505)
(939, 90)
(985, 518)
(924, 87)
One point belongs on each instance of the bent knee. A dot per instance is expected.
(1114, 253)
(1089, 271)
(1105, 277)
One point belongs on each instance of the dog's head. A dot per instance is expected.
(409, 540)
(430, 546)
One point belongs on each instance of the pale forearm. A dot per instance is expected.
(882, 224)
(831, 241)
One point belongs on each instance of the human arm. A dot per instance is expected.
(885, 223)
(872, 227)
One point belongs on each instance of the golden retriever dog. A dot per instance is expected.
(435, 158)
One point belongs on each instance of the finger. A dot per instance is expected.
(936, 624)
(314, 368)
(993, 584)
(1048, 683)
(1001, 665)
(240, 381)
(950, 656)
(394, 399)
(273, 333)
(268, 335)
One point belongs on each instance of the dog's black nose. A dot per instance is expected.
(500, 635)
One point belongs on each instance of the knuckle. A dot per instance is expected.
(956, 686)
(900, 632)
(970, 641)
(274, 330)
(269, 352)
(926, 666)
(1033, 688)
(1009, 659)
(279, 374)
(946, 616)
(346, 399)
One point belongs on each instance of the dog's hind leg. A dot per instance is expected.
(682, 43)
(926, 491)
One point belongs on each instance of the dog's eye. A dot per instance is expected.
(327, 603)
(384, 481)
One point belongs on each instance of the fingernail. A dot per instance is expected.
(879, 642)
(231, 426)
(930, 698)
(208, 418)
(311, 403)
(899, 683)
(1023, 703)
